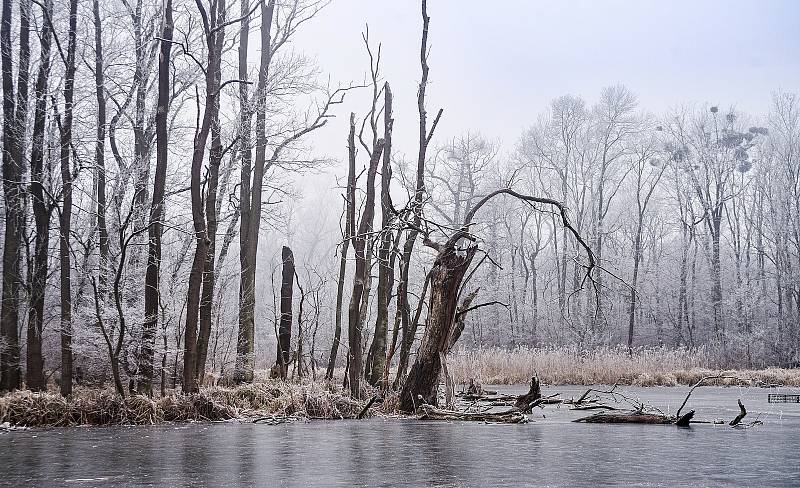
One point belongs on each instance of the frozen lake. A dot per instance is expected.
(549, 451)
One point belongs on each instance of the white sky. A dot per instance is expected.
(496, 65)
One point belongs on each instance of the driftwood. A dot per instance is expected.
(684, 420)
(742, 413)
(626, 417)
(512, 416)
(366, 408)
(594, 407)
(488, 397)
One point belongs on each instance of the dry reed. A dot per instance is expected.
(605, 365)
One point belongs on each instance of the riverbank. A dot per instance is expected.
(603, 366)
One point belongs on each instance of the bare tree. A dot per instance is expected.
(155, 227)
(42, 212)
(15, 113)
(453, 258)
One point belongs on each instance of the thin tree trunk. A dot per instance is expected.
(207, 298)
(66, 211)
(408, 328)
(214, 41)
(378, 349)
(361, 276)
(347, 234)
(251, 206)
(151, 289)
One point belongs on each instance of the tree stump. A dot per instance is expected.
(534, 393)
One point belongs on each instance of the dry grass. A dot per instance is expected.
(88, 407)
(313, 399)
(104, 407)
(574, 366)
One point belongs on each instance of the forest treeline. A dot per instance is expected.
(152, 152)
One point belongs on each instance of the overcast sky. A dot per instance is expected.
(496, 65)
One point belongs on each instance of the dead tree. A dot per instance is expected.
(361, 275)
(452, 261)
(409, 328)
(377, 352)
(155, 230)
(285, 324)
(347, 233)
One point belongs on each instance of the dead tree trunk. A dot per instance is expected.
(347, 234)
(285, 324)
(377, 351)
(358, 297)
(447, 274)
(409, 328)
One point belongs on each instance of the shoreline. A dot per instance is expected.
(269, 403)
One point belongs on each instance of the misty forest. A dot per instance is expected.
(199, 222)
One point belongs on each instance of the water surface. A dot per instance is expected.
(549, 451)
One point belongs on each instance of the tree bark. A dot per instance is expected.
(207, 297)
(446, 277)
(408, 328)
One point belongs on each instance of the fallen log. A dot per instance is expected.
(493, 397)
(626, 417)
(594, 407)
(513, 416)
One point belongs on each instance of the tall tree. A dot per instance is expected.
(42, 212)
(15, 113)
(214, 34)
(155, 230)
(377, 353)
(347, 234)
(65, 226)
(409, 328)
(250, 201)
